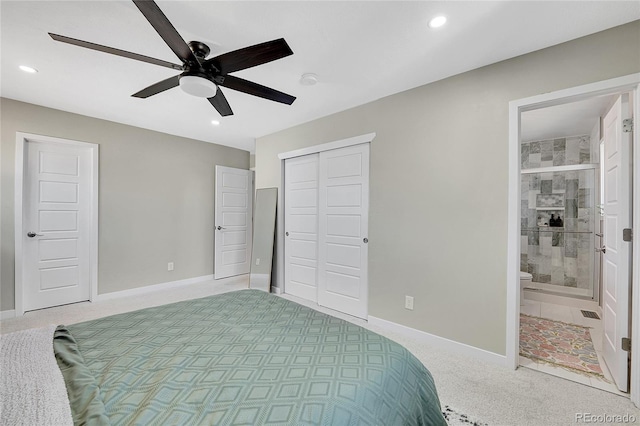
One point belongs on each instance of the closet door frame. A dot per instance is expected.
(280, 255)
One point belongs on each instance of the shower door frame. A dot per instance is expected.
(626, 84)
(578, 168)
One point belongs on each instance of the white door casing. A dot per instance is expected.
(233, 221)
(624, 84)
(617, 210)
(56, 222)
(343, 230)
(301, 226)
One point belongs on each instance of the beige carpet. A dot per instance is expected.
(32, 389)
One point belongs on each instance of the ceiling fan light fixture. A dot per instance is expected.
(199, 76)
(198, 86)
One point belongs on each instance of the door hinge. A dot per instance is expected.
(626, 344)
(627, 125)
(627, 234)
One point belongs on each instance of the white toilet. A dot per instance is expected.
(525, 281)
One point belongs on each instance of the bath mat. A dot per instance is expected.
(559, 343)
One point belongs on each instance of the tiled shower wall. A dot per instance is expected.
(557, 152)
(562, 256)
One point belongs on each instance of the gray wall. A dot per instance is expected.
(438, 184)
(156, 197)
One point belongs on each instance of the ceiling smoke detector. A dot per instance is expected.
(309, 79)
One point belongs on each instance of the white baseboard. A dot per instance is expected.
(7, 314)
(276, 290)
(260, 281)
(152, 288)
(441, 342)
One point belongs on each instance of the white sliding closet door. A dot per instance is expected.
(343, 229)
(301, 226)
(326, 210)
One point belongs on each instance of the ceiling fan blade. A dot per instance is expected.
(114, 51)
(251, 56)
(256, 89)
(220, 103)
(160, 86)
(166, 30)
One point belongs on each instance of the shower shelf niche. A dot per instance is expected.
(550, 201)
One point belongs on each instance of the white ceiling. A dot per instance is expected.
(572, 119)
(361, 51)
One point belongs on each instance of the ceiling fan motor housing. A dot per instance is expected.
(196, 80)
(199, 49)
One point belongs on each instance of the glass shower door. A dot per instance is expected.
(558, 230)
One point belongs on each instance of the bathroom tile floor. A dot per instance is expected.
(574, 316)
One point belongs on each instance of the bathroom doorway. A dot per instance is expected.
(563, 225)
(560, 187)
(561, 240)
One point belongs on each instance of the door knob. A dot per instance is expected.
(219, 228)
(602, 249)
(31, 234)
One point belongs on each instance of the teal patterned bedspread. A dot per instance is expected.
(240, 358)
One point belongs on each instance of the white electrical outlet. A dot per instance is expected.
(170, 266)
(408, 302)
(257, 261)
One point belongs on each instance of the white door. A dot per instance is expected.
(56, 225)
(301, 226)
(233, 222)
(617, 209)
(343, 229)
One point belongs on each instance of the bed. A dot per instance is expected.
(240, 358)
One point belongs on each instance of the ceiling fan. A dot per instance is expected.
(200, 76)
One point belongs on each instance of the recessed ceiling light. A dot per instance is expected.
(215, 122)
(438, 21)
(28, 69)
